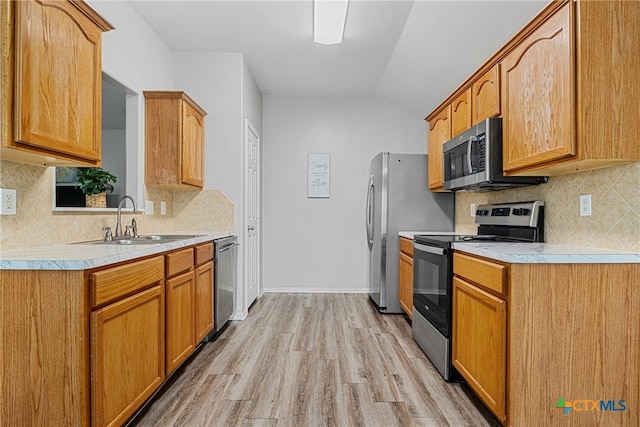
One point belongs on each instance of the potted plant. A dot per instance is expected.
(94, 183)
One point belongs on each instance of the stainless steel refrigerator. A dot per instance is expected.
(398, 199)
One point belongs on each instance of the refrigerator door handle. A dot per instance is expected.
(369, 213)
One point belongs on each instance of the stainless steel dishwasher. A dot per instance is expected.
(225, 279)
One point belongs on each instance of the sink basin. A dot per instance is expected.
(165, 237)
(153, 239)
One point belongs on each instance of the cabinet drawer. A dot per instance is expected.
(179, 261)
(485, 273)
(117, 282)
(204, 253)
(406, 246)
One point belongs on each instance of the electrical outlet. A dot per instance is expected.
(585, 205)
(163, 208)
(148, 207)
(472, 209)
(9, 201)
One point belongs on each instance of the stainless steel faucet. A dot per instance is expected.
(120, 203)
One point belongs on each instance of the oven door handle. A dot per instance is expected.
(428, 249)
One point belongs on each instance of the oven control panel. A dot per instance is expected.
(513, 214)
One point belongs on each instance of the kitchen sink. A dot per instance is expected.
(152, 239)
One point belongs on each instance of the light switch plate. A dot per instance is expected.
(9, 201)
(472, 209)
(163, 208)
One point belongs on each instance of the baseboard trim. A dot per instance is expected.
(308, 290)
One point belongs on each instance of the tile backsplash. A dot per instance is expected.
(36, 224)
(615, 200)
(614, 224)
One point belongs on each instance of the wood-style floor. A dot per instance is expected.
(314, 360)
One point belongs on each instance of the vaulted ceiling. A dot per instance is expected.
(410, 53)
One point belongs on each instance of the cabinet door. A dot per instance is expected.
(461, 113)
(204, 300)
(58, 81)
(192, 146)
(479, 337)
(538, 91)
(405, 280)
(180, 319)
(485, 96)
(127, 355)
(439, 133)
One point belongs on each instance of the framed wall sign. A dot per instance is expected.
(318, 175)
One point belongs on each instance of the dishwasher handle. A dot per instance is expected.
(231, 246)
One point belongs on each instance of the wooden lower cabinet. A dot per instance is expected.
(479, 350)
(180, 319)
(89, 347)
(189, 301)
(204, 300)
(127, 355)
(405, 276)
(526, 335)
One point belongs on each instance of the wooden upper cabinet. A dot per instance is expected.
(485, 96)
(439, 133)
(565, 105)
(192, 146)
(51, 82)
(174, 140)
(537, 83)
(568, 107)
(461, 113)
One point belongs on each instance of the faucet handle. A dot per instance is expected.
(108, 236)
(134, 227)
(127, 231)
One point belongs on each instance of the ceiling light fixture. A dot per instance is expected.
(329, 17)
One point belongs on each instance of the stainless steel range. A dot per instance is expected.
(433, 272)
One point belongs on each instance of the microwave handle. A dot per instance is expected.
(471, 141)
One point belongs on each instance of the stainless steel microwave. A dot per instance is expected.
(472, 160)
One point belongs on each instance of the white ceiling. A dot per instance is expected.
(412, 54)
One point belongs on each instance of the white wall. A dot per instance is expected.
(113, 159)
(223, 85)
(214, 81)
(319, 244)
(134, 56)
(132, 53)
(251, 98)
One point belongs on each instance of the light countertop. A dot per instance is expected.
(74, 256)
(537, 253)
(545, 253)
